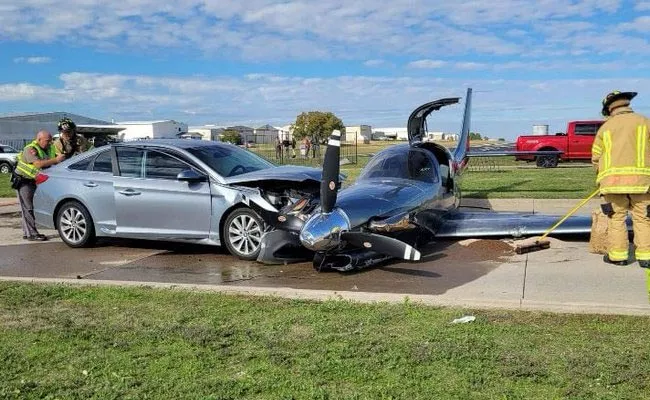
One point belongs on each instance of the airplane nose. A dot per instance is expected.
(322, 232)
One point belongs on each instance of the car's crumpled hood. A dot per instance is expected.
(293, 173)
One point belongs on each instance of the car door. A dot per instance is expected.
(582, 139)
(152, 204)
(93, 181)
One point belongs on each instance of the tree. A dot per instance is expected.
(475, 136)
(316, 124)
(231, 136)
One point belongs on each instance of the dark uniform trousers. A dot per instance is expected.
(26, 199)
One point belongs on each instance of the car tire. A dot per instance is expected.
(547, 161)
(242, 233)
(5, 168)
(75, 225)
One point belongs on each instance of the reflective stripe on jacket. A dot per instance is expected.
(622, 154)
(28, 170)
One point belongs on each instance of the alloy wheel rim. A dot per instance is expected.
(245, 234)
(73, 225)
(4, 169)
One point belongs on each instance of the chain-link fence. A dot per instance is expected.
(17, 144)
(486, 164)
(283, 152)
(296, 152)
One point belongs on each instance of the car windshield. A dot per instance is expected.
(412, 164)
(8, 149)
(229, 160)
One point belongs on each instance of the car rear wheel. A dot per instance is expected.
(547, 161)
(5, 168)
(75, 225)
(242, 233)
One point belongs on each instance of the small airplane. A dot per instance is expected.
(406, 192)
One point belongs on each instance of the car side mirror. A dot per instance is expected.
(190, 175)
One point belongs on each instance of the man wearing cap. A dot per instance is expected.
(69, 143)
(621, 153)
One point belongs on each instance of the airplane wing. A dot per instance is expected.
(485, 224)
(458, 224)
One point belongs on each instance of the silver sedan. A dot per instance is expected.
(174, 190)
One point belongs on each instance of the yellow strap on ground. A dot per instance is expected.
(570, 213)
(647, 272)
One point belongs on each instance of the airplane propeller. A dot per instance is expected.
(324, 231)
(382, 244)
(331, 168)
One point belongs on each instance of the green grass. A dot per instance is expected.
(65, 342)
(5, 186)
(538, 183)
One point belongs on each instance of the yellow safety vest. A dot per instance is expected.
(29, 170)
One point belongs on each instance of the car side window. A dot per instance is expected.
(163, 166)
(129, 161)
(586, 129)
(102, 163)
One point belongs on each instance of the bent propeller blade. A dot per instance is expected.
(382, 244)
(331, 166)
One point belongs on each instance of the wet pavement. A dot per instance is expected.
(445, 265)
(469, 273)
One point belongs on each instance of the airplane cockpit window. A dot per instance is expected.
(413, 164)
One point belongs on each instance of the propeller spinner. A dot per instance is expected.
(324, 231)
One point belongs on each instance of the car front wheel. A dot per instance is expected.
(242, 233)
(75, 225)
(5, 168)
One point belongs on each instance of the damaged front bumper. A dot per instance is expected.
(281, 247)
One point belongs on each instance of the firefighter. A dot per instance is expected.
(621, 154)
(69, 142)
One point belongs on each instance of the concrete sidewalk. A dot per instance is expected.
(564, 278)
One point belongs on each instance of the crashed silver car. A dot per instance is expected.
(173, 190)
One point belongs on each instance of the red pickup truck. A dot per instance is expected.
(575, 144)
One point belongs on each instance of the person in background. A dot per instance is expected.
(37, 155)
(315, 149)
(69, 142)
(621, 154)
(278, 148)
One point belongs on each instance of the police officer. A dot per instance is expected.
(621, 151)
(69, 142)
(37, 155)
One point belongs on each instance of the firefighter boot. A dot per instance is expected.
(608, 261)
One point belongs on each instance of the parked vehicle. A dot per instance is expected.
(175, 190)
(575, 144)
(7, 158)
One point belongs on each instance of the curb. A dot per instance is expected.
(361, 297)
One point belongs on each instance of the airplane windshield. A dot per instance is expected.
(413, 164)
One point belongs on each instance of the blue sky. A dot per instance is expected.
(260, 61)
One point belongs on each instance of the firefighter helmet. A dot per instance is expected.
(66, 125)
(612, 97)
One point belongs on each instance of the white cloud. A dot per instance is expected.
(374, 63)
(305, 29)
(427, 64)
(32, 60)
(260, 98)
(642, 6)
(471, 65)
(640, 24)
